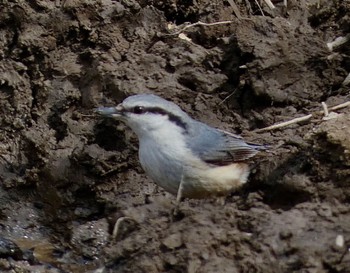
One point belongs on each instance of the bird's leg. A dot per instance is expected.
(176, 212)
(179, 191)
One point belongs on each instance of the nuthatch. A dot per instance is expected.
(185, 157)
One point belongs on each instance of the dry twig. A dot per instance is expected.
(262, 12)
(339, 106)
(199, 23)
(235, 9)
(325, 112)
(227, 97)
(347, 80)
(270, 4)
(325, 109)
(117, 225)
(339, 41)
(284, 124)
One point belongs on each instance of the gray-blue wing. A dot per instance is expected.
(219, 147)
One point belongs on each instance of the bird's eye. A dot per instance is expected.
(139, 109)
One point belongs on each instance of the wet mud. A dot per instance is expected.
(69, 179)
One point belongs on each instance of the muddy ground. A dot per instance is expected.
(67, 176)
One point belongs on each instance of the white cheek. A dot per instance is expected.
(144, 125)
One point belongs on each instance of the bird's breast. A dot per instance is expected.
(163, 158)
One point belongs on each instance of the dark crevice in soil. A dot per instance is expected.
(55, 121)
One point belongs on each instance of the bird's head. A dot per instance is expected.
(147, 113)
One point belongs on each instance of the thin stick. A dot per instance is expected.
(337, 107)
(284, 124)
(235, 9)
(325, 109)
(338, 42)
(262, 13)
(303, 118)
(229, 96)
(347, 80)
(340, 106)
(199, 23)
(269, 3)
(117, 225)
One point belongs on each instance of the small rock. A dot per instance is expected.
(286, 234)
(173, 241)
(339, 240)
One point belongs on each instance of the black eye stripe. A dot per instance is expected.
(160, 111)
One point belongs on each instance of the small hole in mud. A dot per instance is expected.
(285, 199)
(204, 40)
(170, 69)
(58, 125)
(177, 215)
(187, 82)
(6, 89)
(181, 12)
(108, 136)
(169, 267)
(249, 100)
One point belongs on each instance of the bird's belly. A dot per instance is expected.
(165, 169)
(214, 181)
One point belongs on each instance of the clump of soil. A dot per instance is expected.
(67, 177)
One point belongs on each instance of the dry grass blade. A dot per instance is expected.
(235, 9)
(347, 80)
(262, 12)
(270, 4)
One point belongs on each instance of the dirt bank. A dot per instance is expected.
(67, 176)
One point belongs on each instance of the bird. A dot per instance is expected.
(185, 157)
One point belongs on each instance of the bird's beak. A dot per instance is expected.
(112, 112)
